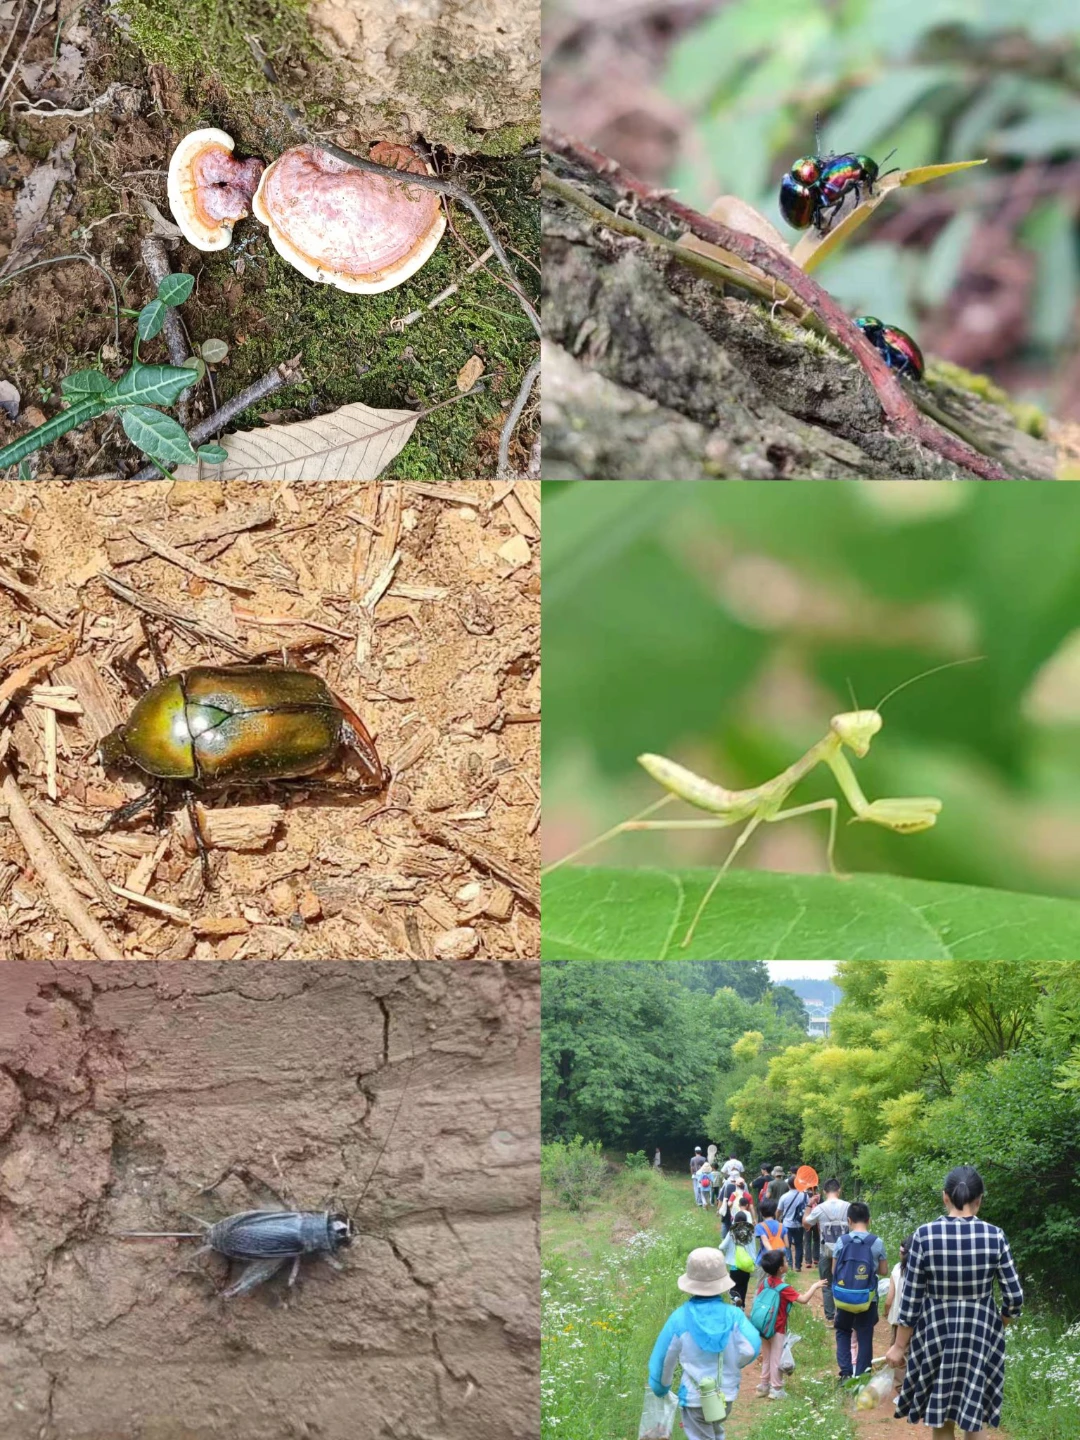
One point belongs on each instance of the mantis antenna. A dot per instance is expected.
(949, 665)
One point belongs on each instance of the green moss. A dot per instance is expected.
(1029, 418)
(353, 347)
(201, 38)
(963, 379)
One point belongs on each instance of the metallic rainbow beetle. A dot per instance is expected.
(897, 348)
(214, 726)
(816, 186)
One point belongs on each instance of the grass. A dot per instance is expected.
(608, 1286)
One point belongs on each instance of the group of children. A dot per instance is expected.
(717, 1331)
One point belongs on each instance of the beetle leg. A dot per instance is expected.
(254, 1275)
(200, 842)
(295, 1270)
(133, 807)
(155, 649)
(333, 1262)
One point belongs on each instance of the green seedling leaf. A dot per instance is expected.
(196, 363)
(213, 351)
(51, 430)
(158, 435)
(82, 383)
(813, 248)
(213, 454)
(175, 289)
(151, 319)
(151, 385)
(595, 913)
(24, 469)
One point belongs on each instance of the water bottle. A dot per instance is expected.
(713, 1404)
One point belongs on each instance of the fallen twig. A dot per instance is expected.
(451, 838)
(75, 847)
(158, 267)
(900, 412)
(26, 108)
(182, 619)
(63, 895)
(531, 376)
(288, 373)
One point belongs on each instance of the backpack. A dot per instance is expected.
(744, 1261)
(793, 1212)
(854, 1287)
(766, 1311)
(769, 1240)
(832, 1231)
(763, 1192)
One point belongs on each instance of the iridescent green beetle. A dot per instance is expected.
(213, 726)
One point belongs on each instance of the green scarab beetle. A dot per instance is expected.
(236, 725)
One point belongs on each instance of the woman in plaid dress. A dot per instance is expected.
(955, 1372)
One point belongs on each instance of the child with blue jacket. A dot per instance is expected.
(708, 1336)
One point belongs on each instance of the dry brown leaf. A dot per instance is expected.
(469, 373)
(353, 443)
(35, 196)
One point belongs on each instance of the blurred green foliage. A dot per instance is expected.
(937, 82)
(721, 624)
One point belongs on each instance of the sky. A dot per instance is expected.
(781, 970)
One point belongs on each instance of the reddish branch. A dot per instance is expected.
(902, 415)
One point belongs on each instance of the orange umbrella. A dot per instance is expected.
(805, 1176)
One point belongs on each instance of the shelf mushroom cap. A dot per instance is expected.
(209, 191)
(362, 232)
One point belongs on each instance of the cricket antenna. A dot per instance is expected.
(161, 1234)
(389, 1133)
(817, 132)
(936, 670)
(851, 692)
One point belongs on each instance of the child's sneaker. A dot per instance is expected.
(762, 1390)
(777, 1394)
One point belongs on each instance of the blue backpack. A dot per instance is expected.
(854, 1287)
(765, 1311)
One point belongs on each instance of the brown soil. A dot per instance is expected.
(396, 594)
(125, 1088)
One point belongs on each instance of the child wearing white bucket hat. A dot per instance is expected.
(712, 1340)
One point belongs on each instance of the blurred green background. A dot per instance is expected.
(714, 98)
(721, 624)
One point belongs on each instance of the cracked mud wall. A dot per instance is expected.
(126, 1088)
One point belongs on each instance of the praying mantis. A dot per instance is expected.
(764, 804)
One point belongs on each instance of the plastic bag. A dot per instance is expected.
(787, 1358)
(870, 1396)
(657, 1415)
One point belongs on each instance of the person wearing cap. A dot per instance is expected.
(708, 1337)
(778, 1185)
(697, 1160)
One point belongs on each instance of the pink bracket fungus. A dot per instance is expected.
(209, 191)
(362, 232)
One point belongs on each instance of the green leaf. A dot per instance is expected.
(213, 351)
(24, 470)
(82, 383)
(213, 454)
(175, 289)
(152, 385)
(594, 913)
(196, 363)
(51, 430)
(151, 319)
(158, 436)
